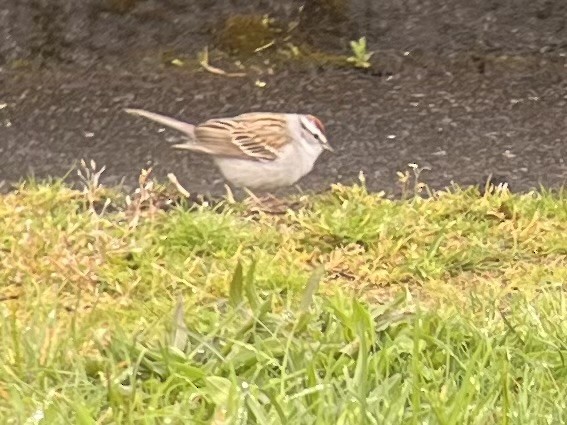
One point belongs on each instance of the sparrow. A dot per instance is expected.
(255, 150)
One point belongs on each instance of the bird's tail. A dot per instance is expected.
(188, 129)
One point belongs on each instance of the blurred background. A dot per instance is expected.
(466, 88)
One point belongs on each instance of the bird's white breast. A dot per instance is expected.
(295, 161)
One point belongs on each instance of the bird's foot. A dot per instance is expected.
(268, 204)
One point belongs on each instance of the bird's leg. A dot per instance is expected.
(252, 198)
(268, 203)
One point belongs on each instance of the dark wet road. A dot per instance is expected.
(465, 88)
(463, 125)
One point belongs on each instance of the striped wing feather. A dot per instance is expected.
(257, 136)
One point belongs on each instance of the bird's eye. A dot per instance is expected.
(316, 136)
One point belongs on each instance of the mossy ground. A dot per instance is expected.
(352, 309)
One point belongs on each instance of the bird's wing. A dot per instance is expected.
(255, 136)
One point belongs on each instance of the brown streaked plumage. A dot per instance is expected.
(253, 135)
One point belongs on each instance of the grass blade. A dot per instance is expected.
(180, 334)
(235, 294)
(311, 288)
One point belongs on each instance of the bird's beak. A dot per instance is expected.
(327, 147)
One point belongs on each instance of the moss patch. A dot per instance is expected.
(244, 34)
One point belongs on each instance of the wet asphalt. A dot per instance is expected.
(461, 123)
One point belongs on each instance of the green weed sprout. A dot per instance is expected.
(361, 56)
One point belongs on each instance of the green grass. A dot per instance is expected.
(353, 309)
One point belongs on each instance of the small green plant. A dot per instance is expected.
(361, 56)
